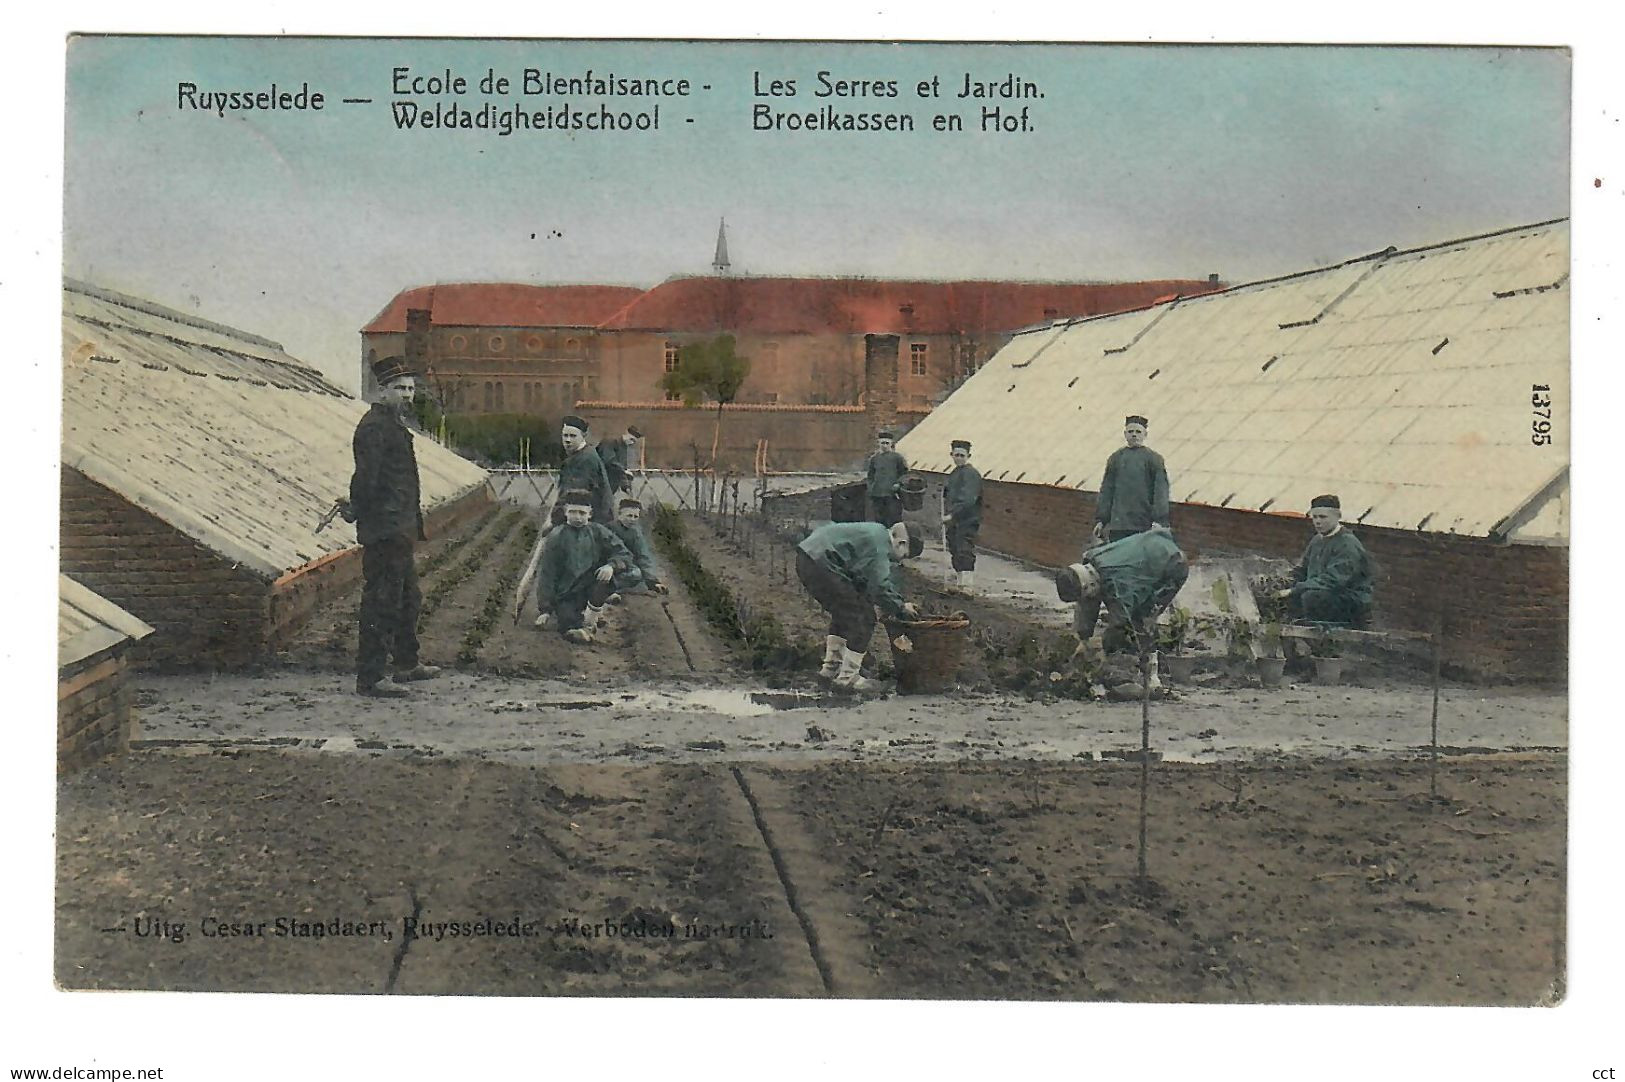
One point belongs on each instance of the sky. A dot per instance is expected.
(1138, 162)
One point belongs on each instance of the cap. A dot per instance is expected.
(960, 445)
(1069, 583)
(884, 434)
(576, 423)
(627, 501)
(1326, 501)
(576, 497)
(1136, 419)
(634, 430)
(388, 369)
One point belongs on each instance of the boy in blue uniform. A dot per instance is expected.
(885, 482)
(577, 572)
(1134, 489)
(849, 568)
(628, 529)
(962, 512)
(1332, 583)
(1134, 579)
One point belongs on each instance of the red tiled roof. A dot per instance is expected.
(506, 304)
(877, 306)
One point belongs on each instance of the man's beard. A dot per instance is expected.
(404, 412)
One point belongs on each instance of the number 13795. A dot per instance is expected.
(1540, 398)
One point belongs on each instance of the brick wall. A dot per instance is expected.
(95, 708)
(300, 592)
(205, 612)
(1503, 608)
(797, 439)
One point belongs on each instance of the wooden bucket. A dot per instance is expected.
(939, 647)
(913, 493)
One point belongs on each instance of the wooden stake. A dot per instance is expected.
(1145, 761)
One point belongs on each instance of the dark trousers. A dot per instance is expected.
(962, 544)
(1325, 607)
(570, 609)
(886, 510)
(851, 615)
(389, 608)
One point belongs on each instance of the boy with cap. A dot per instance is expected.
(582, 471)
(628, 530)
(1332, 583)
(885, 474)
(617, 456)
(849, 568)
(1135, 579)
(962, 512)
(577, 573)
(1134, 490)
(383, 504)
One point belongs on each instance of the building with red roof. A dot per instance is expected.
(510, 348)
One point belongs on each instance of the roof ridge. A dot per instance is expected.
(74, 285)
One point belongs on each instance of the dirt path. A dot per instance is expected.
(512, 873)
(468, 577)
(1273, 883)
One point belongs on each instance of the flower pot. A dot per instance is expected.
(1270, 671)
(1328, 670)
(1178, 667)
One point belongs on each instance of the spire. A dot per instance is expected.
(720, 262)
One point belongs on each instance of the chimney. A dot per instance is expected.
(417, 340)
(880, 381)
(1213, 279)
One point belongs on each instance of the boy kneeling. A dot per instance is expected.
(849, 568)
(628, 530)
(577, 572)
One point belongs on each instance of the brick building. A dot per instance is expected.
(551, 349)
(95, 704)
(493, 347)
(196, 462)
(1421, 386)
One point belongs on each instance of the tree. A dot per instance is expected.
(708, 370)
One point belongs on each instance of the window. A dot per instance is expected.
(572, 345)
(673, 396)
(674, 358)
(771, 398)
(916, 358)
(459, 343)
(488, 398)
(497, 344)
(499, 397)
(534, 343)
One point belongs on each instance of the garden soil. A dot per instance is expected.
(531, 825)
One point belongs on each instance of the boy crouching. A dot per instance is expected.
(577, 573)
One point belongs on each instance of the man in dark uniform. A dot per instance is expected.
(962, 511)
(582, 471)
(1134, 491)
(1332, 583)
(849, 568)
(578, 569)
(885, 472)
(1135, 579)
(383, 505)
(628, 529)
(618, 456)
